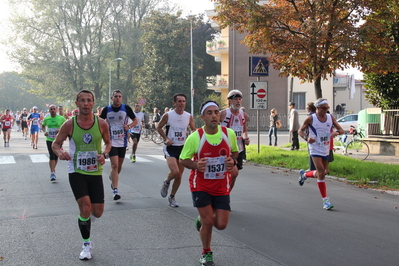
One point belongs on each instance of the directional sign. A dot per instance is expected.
(258, 95)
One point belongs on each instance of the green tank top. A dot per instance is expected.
(85, 145)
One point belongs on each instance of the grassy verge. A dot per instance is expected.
(362, 172)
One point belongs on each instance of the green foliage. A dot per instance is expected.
(166, 69)
(362, 172)
(382, 90)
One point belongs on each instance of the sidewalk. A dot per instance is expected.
(283, 139)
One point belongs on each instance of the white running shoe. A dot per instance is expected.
(173, 202)
(164, 189)
(86, 251)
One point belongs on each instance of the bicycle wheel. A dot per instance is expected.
(145, 135)
(156, 138)
(358, 149)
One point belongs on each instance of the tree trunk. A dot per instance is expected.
(317, 87)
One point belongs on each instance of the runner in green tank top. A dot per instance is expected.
(85, 132)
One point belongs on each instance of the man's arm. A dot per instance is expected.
(65, 131)
(161, 123)
(302, 130)
(131, 115)
(103, 114)
(192, 124)
(245, 130)
(105, 135)
(222, 115)
(338, 127)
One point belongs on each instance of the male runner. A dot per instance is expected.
(176, 122)
(34, 119)
(135, 131)
(210, 152)
(24, 123)
(319, 125)
(85, 159)
(8, 121)
(117, 116)
(234, 118)
(53, 122)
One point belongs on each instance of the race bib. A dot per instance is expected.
(117, 132)
(323, 139)
(136, 129)
(215, 168)
(87, 161)
(35, 122)
(238, 131)
(52, 132)
(7, 123)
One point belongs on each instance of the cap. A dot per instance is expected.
(76, 110)
(292, 103)
(234, 94)
(34, 107)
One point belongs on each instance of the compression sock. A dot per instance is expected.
(311, 174)
(84, 227)
(322, 188)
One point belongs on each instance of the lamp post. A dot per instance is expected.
(109, 86)
(192, 75)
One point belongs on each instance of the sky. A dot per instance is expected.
(188, 7)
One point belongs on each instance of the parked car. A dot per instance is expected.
(347, 121)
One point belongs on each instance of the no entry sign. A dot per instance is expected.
(258, 95)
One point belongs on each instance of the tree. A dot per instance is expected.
(383, 90)
(166, 70)
(305, 39)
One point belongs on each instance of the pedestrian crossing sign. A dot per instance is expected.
(258, 66)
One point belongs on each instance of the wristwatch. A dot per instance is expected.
(235, 161)
(106, 155)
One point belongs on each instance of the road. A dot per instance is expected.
(273, 221)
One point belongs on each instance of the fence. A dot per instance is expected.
(390, 124)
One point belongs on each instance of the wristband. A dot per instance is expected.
(106, 155)
(235, 161)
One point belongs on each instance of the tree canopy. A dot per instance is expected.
(305, 39)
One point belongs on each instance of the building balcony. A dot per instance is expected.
(218, 82)
(218, 46)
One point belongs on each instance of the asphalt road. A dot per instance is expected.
(273, 221)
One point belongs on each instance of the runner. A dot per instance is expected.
(34, 119)
(24, 123)
(234, 118)
(176, 122)
(8, 121)
(135, 131)
(53, 122)
(85, 160)
(117, 116)
(319, 127)
(214, 149)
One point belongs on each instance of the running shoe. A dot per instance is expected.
(327, 204)
(116, 194)
(134, 159)
(302, 178)
(207, 259)
(86, 251)
(173, 202)
(52, 177)
(164, 189)
(198, 223)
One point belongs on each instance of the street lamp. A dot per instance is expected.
(109, 87)
(192, 75)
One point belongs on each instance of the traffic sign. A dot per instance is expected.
(258, 95)
(258, 66)
(142, 101)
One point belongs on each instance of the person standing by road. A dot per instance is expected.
(273, 126)
(34, 119)
(85, 159)
(210, 153)
(24, 123)
(156, 118)
(319, 126)
(8, 121)
(53, 123)
(234, 118)
(135, 132)
(177, 122)
(117, 116)
(294, 126)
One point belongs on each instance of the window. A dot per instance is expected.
(299, 100)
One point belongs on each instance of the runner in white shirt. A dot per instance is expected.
(135, 132)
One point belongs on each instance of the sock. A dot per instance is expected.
(205, 250)
(322, 188)
(171, 196)
(311, 174)
(84, 227)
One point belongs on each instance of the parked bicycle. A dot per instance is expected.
(355, 147)
(148, 134)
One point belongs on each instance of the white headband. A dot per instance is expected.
(321, 103)
(207, 105)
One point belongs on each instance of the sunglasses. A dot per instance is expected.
(324, 108)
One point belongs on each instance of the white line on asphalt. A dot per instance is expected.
(7, 159)
(39, 158)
